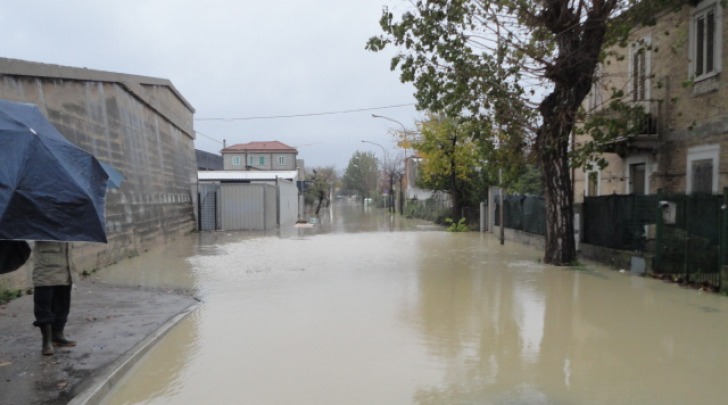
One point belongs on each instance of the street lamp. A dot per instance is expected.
(384, 152)
(403, 192)
(404, 131)
(390, 203)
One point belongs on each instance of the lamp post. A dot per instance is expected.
(403, 193)
(390, 204)
(404, 131)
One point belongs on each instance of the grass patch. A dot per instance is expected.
(7, 295)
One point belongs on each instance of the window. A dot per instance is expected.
(702, 170)
(702, 176)
(705, 40)
(637, 179)
(281, 160)
(639, 74)
(595, 99)
(236, 160)
(251, 161)
(638, 170)
(261, 160)
(592, 184)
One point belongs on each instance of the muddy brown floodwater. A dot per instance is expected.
(371, 308)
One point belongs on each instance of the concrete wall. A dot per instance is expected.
(142, 126)
(288, 202)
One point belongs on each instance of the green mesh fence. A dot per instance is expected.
(618, 221)
(690, 246)
(523, 213)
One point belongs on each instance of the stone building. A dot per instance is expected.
(672, 69)
(142, 126)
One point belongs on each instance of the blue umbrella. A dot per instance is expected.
(50, 189)
(115, 177)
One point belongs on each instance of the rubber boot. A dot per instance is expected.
(59, 339)
(47, 331)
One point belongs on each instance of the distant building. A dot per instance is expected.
(268, 155)
(208, 161)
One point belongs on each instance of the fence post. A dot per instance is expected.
(688, 205)
(657, 261)
(482, 216)
(723, 272)
(502, 218)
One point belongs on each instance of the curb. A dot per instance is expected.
(99, 386)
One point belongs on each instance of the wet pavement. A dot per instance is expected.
(371, 308)
(107, 322)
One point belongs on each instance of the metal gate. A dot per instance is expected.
(690, 235)
(207, 197)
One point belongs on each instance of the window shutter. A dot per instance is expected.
(710, 42)
(635, 80)
(639, 75)
(700, 46)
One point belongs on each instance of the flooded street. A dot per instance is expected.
(371, 308)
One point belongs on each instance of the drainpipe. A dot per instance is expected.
(278, 200)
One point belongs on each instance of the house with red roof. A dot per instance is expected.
(266, 155)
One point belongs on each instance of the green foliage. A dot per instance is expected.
(521, 67)
(458, 226)
(528, 182)
(7, 295)
(455, 158)
(362, 174)
(321, 181)
(430, 210)
(618, 119)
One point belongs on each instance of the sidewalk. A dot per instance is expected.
(112, 327)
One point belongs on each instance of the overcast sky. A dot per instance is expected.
(235, 60)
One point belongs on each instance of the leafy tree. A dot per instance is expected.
(362, 174)
(322, 181)
(451, 159)
(529, 181)
(523, 65)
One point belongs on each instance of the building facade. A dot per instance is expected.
(673, 70)
(269, 155)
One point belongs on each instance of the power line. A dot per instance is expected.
(270, 117)
(208, 137)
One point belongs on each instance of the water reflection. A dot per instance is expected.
(367, 308)
(181, 346)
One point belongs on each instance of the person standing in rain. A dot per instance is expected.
(53, 269)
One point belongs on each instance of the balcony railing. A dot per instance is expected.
(644, 131)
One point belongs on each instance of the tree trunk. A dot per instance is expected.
(559, 198)
(579, 43)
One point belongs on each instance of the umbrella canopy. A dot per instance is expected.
(13, 254)
(115, 177)
(50, 189)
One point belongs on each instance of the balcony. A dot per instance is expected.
(643, 130)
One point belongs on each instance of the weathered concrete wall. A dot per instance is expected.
(142, 127)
